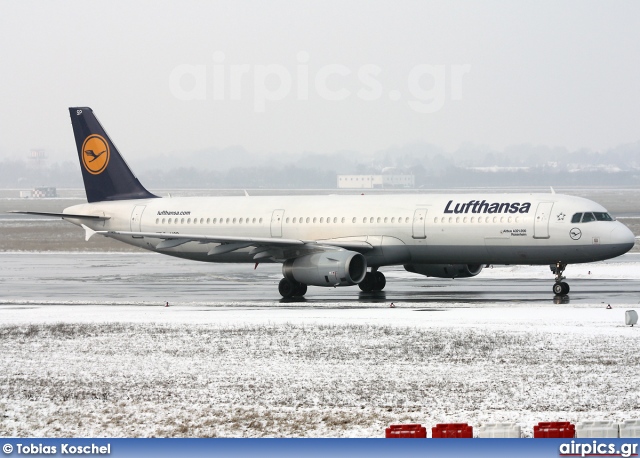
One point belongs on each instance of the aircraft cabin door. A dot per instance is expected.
(276, 223)
(541, 223)
(419, 220)
(136, 218)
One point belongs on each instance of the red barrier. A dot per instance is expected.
(415, 431)
(452, 431)
(554, 429)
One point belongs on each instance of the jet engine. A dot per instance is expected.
(330, 268)
(445, 270)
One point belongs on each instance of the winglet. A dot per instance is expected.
(553, 191)
(88, 232)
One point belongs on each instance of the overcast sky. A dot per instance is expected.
(320, 76)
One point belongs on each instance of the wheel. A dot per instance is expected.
(300, 289)
(286, 288)
(367, 283)
(379, 281)
(557, 289)
(561, 288)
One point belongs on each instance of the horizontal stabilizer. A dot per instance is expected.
(64, 215)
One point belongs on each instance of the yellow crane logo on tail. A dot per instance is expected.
(95, 154)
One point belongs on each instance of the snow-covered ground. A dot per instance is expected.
(112, 366)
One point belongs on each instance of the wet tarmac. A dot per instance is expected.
(148, 278)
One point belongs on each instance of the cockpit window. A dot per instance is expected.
(591, 216)
(602, 216)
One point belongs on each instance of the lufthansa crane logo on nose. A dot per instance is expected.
(575, 233)
(95, 154)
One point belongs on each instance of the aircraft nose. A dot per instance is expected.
(623, 237)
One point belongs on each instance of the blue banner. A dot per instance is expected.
(333, 448)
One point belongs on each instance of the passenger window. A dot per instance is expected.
(473, 220)
(393, 220)
(260, 221)
(321, 220)
(208, 220)
(406, 220)
(371, 219)
(385, 219)
(188, 220)
(353, 220)
(308, 220)
(343, 219)
(294, 221)
(287, 221)
(588, 217)
(157, 220)
(240, 221)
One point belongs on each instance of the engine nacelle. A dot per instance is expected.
(445, 270)
(331, 268)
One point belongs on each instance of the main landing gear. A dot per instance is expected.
(290, 288)
(560, 287)
(373, 281)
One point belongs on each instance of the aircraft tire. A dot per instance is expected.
(380, 281)
(286, 288)
(367, 284)
(557, 289)
(300, 290)
(561, 288)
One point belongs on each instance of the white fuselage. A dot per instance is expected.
(417, 229)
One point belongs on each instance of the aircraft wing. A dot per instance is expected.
(264, 247)
(64, 215)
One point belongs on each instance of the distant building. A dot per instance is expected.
(43, 192)
(376, 181)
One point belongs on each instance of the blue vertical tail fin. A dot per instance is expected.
(105, 173)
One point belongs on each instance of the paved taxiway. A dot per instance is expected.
(148, 278)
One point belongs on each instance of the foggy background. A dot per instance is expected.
(455, 93)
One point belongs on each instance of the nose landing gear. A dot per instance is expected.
(560, 287)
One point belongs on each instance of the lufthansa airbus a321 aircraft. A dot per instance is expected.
(340, 240)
